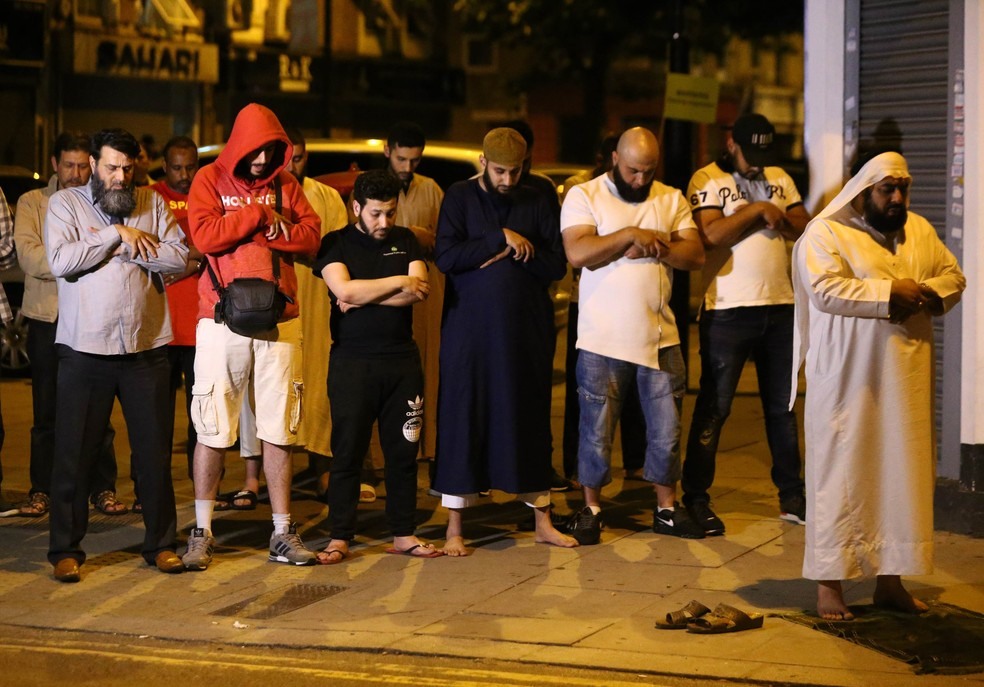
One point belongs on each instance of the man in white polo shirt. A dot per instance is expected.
(746, 209)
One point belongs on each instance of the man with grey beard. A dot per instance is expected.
(108, 246)
(70, 161)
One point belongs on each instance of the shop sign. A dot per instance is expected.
(691, 98)
(295, 73)
(136, 58)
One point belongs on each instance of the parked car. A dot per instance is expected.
(445, 162)
(559, 172)
(336, 162)
(15, 182)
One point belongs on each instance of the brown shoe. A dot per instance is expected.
(169, 562)
(67, 570)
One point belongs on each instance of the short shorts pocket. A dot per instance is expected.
(296, 397)
(203, 412)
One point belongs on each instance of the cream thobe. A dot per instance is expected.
(869, 425)
(419, 206)
(315, 309)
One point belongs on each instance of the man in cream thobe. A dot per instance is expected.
(869, 276)
(418, 207)
(313, 300)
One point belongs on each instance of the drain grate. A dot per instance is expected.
(278, 602)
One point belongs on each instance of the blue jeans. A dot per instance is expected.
(602, 386)
(728, 338)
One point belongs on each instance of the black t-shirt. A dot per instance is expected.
(370, 330)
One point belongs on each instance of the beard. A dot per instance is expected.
(625, 190)
(888, 220)
(406, 178)
(492, 188)
(114, 202)
(377, 235)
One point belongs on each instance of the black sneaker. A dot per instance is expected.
(793, 509)
(676, 523)
(528, 523)
(700, 512)
(558, 483)
(585, 527)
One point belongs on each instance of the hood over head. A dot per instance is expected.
(255, 127)
(890, 164)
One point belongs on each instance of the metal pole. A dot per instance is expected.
(678, 166)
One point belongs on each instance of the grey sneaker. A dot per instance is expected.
(288, 548)
(200, 547)
(793, 509)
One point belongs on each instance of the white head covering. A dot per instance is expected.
(876, 169)
(839, 209)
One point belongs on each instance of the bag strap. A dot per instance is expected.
(279, 205)
(215, 280)
(275, 255)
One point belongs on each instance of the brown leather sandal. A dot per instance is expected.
(36, 506)
(107, 504)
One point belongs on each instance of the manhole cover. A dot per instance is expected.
(278, 602)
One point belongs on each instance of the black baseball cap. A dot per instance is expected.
(755, 134)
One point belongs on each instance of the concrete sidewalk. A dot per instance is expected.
(512, 599)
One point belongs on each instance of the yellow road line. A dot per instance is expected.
(430, 676)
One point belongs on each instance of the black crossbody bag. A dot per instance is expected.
(250, 306)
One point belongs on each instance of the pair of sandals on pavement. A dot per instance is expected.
(697, 618)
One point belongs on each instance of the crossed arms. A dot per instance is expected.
(396, 291)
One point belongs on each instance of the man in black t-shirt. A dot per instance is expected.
(375, 272)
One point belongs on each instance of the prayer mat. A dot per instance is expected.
(946, 640)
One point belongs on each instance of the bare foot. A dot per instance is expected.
(552, 536)
(546, 533)
(454, 544)
(455, 547)
(830, 601)
(889, 593)
(336, 552)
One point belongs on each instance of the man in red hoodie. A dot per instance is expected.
(234, 223)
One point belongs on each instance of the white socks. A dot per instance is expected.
(203, 514)
(281, 521)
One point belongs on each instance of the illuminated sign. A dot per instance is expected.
(691, 98)
(137, 58)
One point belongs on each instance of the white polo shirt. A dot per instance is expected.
(755, 270)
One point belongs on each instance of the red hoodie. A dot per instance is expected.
(229, 215)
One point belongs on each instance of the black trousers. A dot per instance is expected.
(632, 423)
(182, 362)
(363, 391)
(87, 388)
(44, 385)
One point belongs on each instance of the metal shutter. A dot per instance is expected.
(904, 65)
(899, 76)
